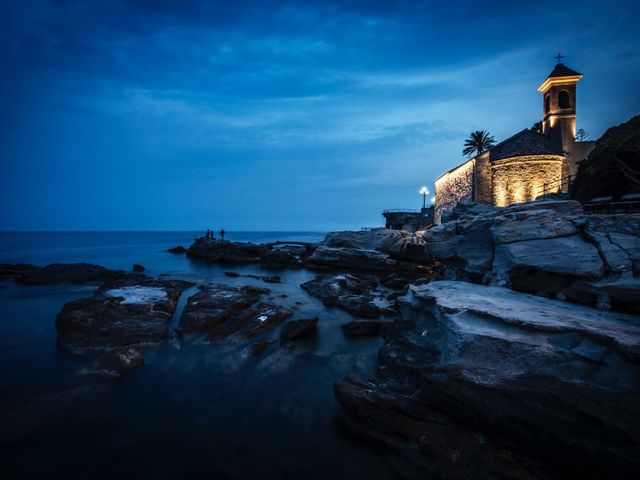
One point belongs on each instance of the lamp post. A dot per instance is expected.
(424, 191)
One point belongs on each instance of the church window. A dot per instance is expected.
(563, 99)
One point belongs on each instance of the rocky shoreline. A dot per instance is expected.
(511, 336)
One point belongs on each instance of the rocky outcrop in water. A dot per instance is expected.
(222, 310)
(270, 255)
(356, 294)
(123, 312)
(56, 273)
(296, 329)
(484, 382)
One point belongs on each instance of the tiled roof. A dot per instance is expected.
(525, 142)
(561, 70)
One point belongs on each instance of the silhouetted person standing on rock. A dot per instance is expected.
(222, 234)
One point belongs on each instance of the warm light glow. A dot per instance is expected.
(550, 81)
(424, 191)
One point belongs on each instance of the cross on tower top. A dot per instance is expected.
(559, 57)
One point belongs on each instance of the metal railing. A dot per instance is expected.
(401, 210)
(557, 186)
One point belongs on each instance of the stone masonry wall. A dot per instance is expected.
(482, 179)
(522, 179)
(453, 188)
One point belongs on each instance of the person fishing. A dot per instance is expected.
(222, 232)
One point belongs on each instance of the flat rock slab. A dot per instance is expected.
(121, 313)
(352, 258)
(485, 382)
(564, 255)
(535, 313)
(223, 310)
(215, 303)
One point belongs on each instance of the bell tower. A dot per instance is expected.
(559, 111)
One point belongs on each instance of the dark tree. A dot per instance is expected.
(613, 166)
(581, 135)
(478, 142)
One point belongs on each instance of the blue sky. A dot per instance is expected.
(317, 115)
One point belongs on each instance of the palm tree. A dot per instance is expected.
(478, 142)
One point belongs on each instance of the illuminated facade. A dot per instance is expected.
(526, 165)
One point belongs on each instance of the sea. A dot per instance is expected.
(196, 409)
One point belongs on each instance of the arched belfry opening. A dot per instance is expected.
(564, 99)
(547, 103)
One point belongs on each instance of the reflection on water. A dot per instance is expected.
(196, 409)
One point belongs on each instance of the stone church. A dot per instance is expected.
(528, 164)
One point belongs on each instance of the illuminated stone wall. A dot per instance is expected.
(452, 188)
(482, 178)
(521, 179)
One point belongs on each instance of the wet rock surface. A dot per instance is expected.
(214, 303)
(115, 363)
(488, 382)
(122, 312)
(296, 329)
(356, 294)
(222, 310)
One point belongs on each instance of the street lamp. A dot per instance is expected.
(424, 191)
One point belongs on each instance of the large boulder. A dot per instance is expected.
(217, 251)
(121, 313)
(352, 293)
(617, 238)
(214, 304)
(531, 225)
(486, 382)
(352, 259)
(296, 329)
(470, 233)
(222, 310)
(564, 256)
(398, 244)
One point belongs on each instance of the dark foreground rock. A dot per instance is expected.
(360, 328)
(222, 310)
(138, 268)
(485, 382)
(116, 363)
(59, 273)
(122, 312)
(296, 329)
(352, 293)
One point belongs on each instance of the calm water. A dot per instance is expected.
(196, 409)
